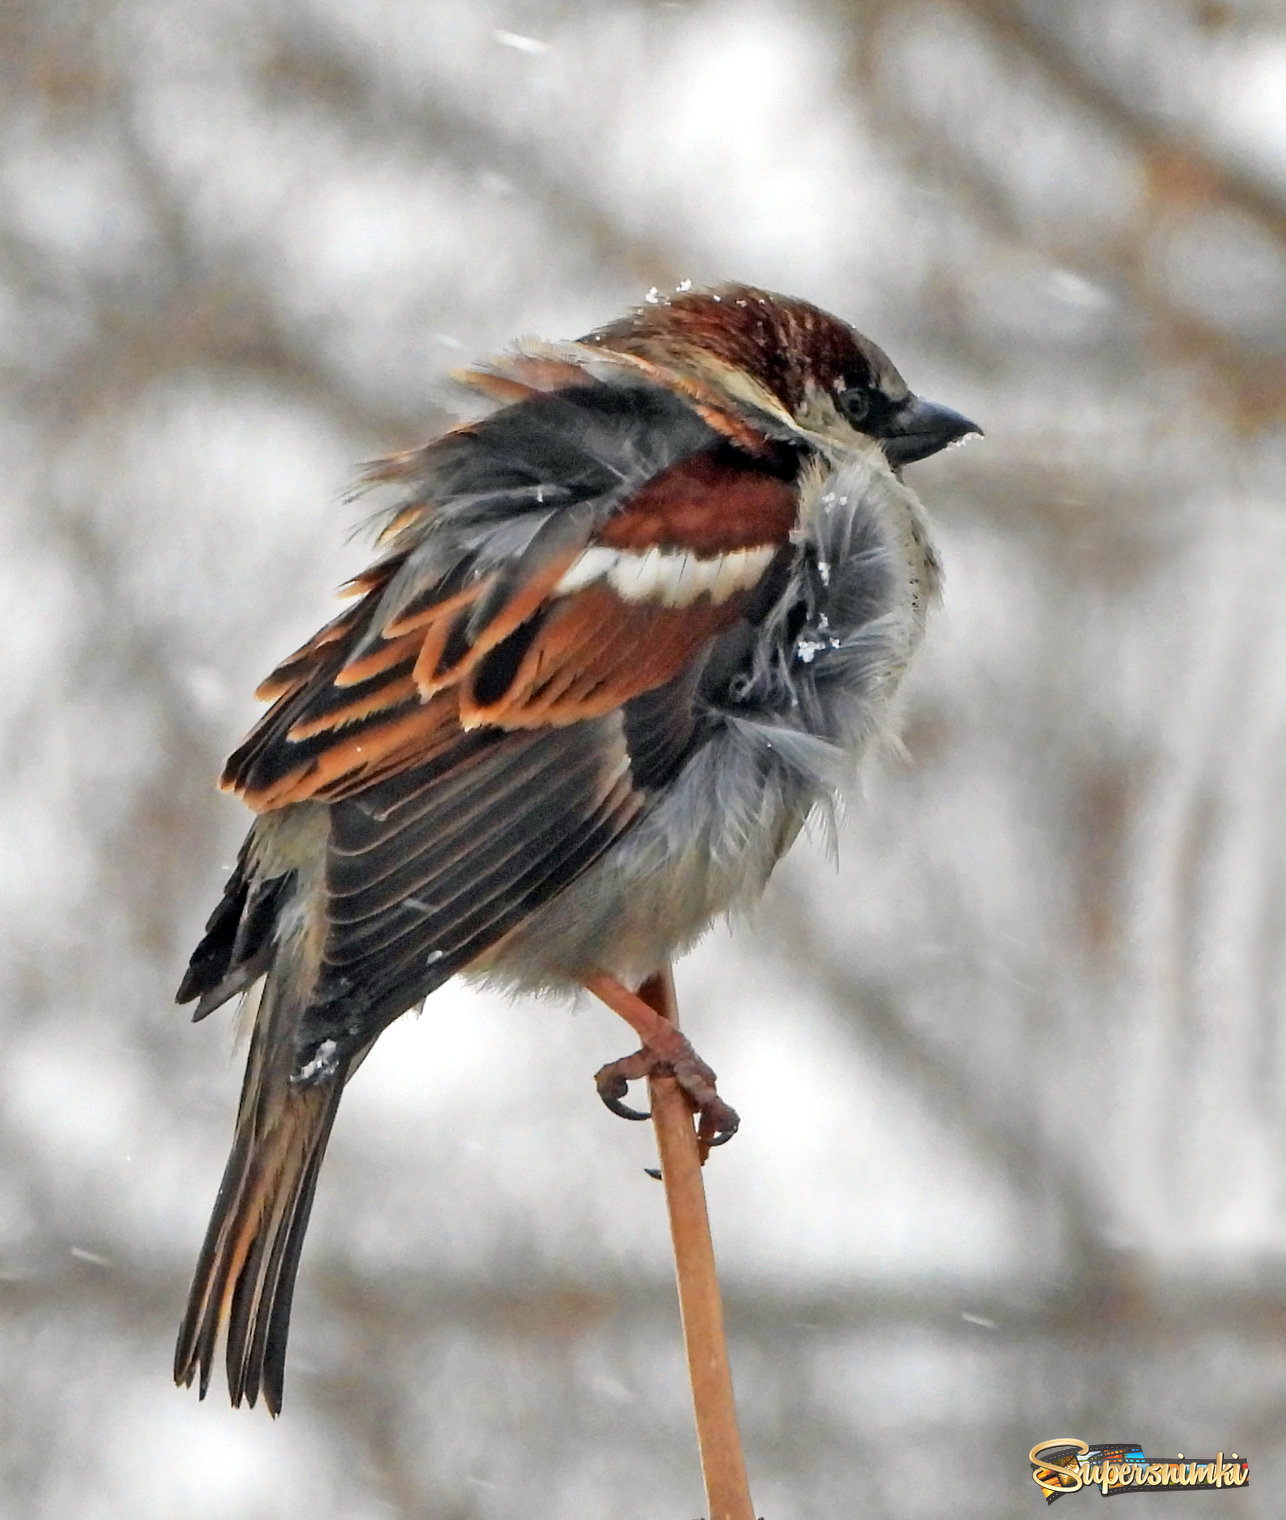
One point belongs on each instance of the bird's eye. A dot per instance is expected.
(855, 403)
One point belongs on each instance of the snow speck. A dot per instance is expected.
(613, 1389)
(520, 43)
(321, 1060)
(1075, 290)
(207, 688)
(977, 1319)
(94, 1259)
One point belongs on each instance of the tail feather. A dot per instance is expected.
(245, 1277)
(268, 1349)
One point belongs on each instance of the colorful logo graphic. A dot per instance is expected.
(1065, 1465)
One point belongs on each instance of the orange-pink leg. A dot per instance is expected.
(666, 1052)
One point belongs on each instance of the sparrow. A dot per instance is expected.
(622, 635)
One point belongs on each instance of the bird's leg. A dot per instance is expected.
(666, 1052)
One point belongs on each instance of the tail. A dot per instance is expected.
(245, 1277)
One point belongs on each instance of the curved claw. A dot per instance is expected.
(718, 1123)
(622, 1110)
(613, 1082)
(724, 1130)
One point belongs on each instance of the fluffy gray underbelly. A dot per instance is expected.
(706, 848)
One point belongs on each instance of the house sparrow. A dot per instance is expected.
(621, 637)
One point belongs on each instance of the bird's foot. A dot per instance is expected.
(666, 1052)
(717, 1122)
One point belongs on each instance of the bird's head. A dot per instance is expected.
(789, 367)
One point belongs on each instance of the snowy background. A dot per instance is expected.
(1013, 1078)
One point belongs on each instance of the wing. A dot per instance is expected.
(562, 556)
(511, 686)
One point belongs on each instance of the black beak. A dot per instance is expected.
(920, 428)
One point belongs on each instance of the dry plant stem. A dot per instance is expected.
(700, 1305)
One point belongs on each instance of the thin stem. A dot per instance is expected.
(722, 1463)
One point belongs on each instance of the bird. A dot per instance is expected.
(623, 633)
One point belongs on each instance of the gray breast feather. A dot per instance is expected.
(810, 689)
